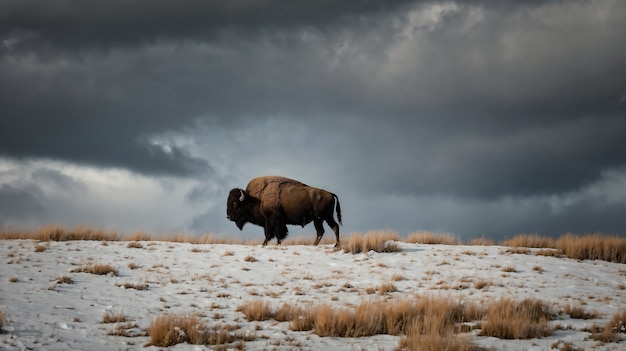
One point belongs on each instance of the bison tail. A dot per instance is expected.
(338, 209)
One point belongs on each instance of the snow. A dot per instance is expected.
(215, 279)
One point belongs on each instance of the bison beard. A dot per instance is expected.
(272, 202)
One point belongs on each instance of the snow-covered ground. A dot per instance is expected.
(42, 313)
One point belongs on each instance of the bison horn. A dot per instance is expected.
(242, 197)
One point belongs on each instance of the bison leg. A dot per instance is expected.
(331, 222)
(281, 232)
(319, 227)
(269, 234)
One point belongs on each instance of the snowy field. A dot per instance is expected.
(49, 305)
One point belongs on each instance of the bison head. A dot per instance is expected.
(236, 210)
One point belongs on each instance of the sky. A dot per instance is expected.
(477, 118)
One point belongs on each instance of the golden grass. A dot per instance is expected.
(597, 246)
(609, 333)
(549, 253)
(482, 241)
(425, 323)
(509, 319)
(529, 240)
(113, 317)
(309, 240)
(3, 319)
(431, 238)
(378, 316)
(370, 317)
(169, 330)
(379, 241)
(256, 310)
(64, 280)
(136, 286)
(98, 269)
(577, 312)
(584, 247)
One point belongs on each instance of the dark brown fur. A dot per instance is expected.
(273, 202)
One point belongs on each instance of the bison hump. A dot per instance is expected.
(269, 185)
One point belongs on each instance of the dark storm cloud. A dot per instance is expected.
(77, 24)
(474, 101)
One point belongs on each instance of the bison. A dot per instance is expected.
(272, 202)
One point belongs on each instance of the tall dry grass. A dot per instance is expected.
(256, 310)
(431, 238)
(597, 246)
(530, 240)
(170, 329)
(379, 241)
(509, 319)
(610, 331)
(59, 233)
(437, 318)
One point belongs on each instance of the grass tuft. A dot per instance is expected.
(3, 319)
(508, 319)
(113, 317)
(593, 247)
(169, 330)
(529, 240)
(98, 269)
(430, 238)
(256, 310)
(379, 241)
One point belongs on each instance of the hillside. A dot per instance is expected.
(248, 297)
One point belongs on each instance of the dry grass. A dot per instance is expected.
(482, 241)
(40, 248)
(508, 319)
(529, 240)
(3, 319)
(585, 247)
(482, 283)
(169, 330)
(430, 238)
(609, 333)
(136, 286)
(427, 336)
(371, 317)
(256, 310)
(300, 319)
(519, 250)
(387, 288)
(64, 280)
(135, 245)
(593, 247)
(379, 241)
(98, 269)
(113, 317)
(378, 316)
(309, 240)
(509, 269)
(549, 253)
(577, 312)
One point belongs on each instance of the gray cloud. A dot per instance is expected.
(19, 204)
(468, 103)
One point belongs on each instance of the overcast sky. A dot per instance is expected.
(479, 118)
